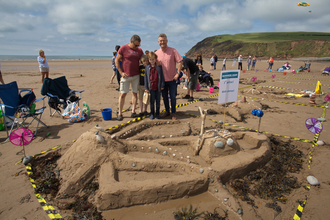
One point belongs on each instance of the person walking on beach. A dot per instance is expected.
(1, 79)
(248, 62)
(270, 63)
(191, 70)
(130, 73)
(113, 67)
(240, 60)
(224, 64)
(154, 83)
(168, 58)
(212, 63)
(117, 47)
(215, 61)
(254, 61)
(43, 65)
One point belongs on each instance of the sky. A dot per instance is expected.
(94, 28)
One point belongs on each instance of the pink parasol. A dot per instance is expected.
(21, 137)
(314, 125)
(273, 76)
(284, 73)
(254, 79)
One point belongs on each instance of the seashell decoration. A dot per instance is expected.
(320, 142)
(99, 138)
(133, 164)
(219, 144)
(157, 150)
(211, 180)
(230, 141)
(201, 170)
(165, 152)
(313, 181)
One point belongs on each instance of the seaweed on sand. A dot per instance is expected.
(273, 180)
(186, 214)
(46, 177)
(215, 215)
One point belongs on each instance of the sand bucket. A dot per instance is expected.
(198, 87)
(106, 114)
(211, 89)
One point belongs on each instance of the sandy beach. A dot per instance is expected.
(284, 116)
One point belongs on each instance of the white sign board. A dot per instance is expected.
(228, 88)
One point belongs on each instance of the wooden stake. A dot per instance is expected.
(224, 116)
(199, 141)
(259, 125)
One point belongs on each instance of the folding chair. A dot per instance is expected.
(11, 98)
(59, 93)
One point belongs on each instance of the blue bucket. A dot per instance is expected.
(107, 114)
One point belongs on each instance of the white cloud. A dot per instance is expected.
(67, 24)
(104, 40)
(176, 27)
(224, 18)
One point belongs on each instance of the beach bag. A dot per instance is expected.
(67, 110)
(146, 98)
(75, 114)
(28, 99)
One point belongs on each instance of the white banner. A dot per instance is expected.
(228, 89)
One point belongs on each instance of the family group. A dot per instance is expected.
(153, 74)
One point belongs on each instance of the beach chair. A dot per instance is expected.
(16, 107)
(59, 94)
(307, 65)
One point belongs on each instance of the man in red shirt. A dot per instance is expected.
(168, 58)
(130, 72)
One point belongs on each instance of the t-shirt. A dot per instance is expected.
(224, 61)
(41, 64)
(271, 60)
(189, 64)
(153, 78)
(168, 59)
(142, 72)
(131, 60)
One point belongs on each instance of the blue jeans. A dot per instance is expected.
(118, 76)
(154, 96)
(170, 86)
(270, 66)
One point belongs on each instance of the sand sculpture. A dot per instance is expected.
(154, 161)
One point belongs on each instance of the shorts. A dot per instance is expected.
(44, 69)
(141, 92)
(193, 81)
(212, 64)
(125, 82)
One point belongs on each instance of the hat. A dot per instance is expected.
(249, 56)
(240, 55)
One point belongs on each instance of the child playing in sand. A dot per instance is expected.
(143, 107)
(154, 82)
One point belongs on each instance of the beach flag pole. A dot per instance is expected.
(224, 117)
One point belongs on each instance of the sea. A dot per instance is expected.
(34, 57)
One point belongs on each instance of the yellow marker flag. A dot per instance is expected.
(318, 89)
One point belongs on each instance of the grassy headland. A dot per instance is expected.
(264, 45)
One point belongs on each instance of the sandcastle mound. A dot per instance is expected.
(131, 170)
